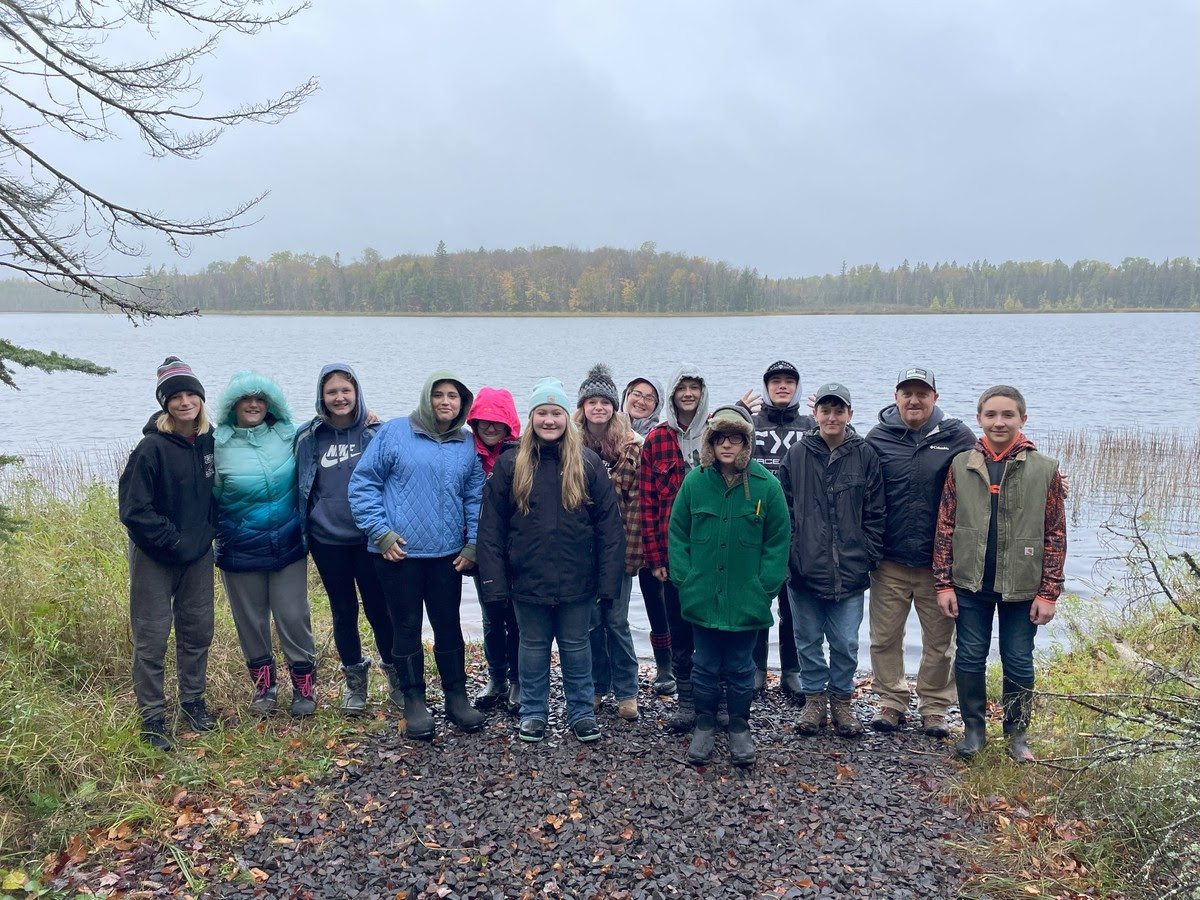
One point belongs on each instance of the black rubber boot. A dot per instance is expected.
(513, 701)
(664, 676)
(154, 733)
(704, 734)
(741, 742)
(684, 717)
(972, 703)
(395, 691)
(789, 684)
(411, 672)
(493, 693)
(1018, 703)
(304, 690)
(723, 710)
(760, 681)
(266, 693)
(452, 667)
(354, 702)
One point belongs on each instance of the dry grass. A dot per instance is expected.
(1111, 470)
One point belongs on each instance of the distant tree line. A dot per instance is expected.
(558, 280)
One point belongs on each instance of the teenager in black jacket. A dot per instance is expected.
(166, 505)
(551, 542)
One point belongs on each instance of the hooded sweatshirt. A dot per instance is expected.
(667, 456)
(423, 419)
(165, 495)
(325, 459)
(258, 524)
(419, 484)
(494, 405)
(688, 438)
(643, 426)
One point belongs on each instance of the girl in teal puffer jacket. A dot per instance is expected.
(259, 548)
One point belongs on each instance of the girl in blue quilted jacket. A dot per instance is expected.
(415, 494)
(259, 547)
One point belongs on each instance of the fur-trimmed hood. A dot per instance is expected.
(727, 420)
(245, 384)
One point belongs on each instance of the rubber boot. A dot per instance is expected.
(395, 691)
(1018, 702)
(760, 681)
(513, 702)
(418, 723)
(354, 701)
(664, 675)
(493, 693)
(304, 690)
(789, 684)
(972, 703)
(452, 667)
(704, 734)
(684, 717)
(741, 742)
(723, 709)
(266, 693)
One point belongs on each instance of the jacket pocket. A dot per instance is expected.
(705, 526)
(749, 529)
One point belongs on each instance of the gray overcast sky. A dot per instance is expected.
(784, 135)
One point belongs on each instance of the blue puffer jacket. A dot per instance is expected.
(258, 526)
(421, 485)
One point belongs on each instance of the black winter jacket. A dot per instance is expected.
(165, 496)
(914, 470)
(550, 556)
(837, 505)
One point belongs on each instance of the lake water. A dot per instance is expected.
(1077, 371)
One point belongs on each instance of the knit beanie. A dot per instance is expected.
(599, 383)
(549, 390)
(782, 367)
(174, 376)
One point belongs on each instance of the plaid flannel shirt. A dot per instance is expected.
(659, 478)
(624, 475)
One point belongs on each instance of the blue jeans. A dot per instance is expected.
(836, 621)
(723, 656)
(614, 662)
(541, 624)
(976, 613)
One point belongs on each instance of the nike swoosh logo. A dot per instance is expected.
(338, 453)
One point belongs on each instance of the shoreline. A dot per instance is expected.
(721, 314)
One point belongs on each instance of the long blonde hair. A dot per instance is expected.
(169, 425)
(570, 454)
(609, 444)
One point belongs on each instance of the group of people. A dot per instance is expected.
(720, 514)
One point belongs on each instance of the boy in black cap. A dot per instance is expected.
(778, 424)
(834, 488)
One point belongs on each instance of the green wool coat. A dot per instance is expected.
(728, 555)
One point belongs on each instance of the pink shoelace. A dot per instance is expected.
(262, 679)
(304, 684)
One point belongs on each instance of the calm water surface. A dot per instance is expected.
(1077, 371)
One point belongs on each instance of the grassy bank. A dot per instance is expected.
(70, 762)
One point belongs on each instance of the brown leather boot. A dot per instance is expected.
(813, 716)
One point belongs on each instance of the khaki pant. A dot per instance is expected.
(894, 590)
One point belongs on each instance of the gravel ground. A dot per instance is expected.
(485, 815)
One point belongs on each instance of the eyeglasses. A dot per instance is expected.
(485, 425)
(735, 439)
(645, 398)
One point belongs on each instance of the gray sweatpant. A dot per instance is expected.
(160, 594)
(256, 597)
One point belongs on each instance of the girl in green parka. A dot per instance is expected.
(728, 551)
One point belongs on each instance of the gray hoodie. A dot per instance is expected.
(643, 426)
(689, 439)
